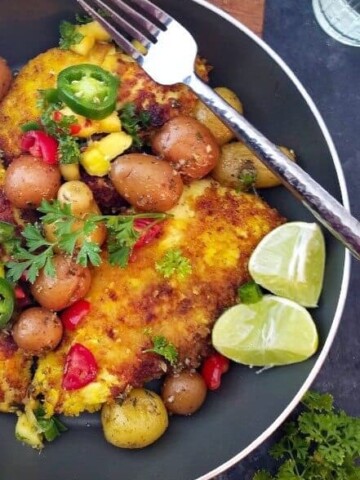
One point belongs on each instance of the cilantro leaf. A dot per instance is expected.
(164, 348)
(89, 252)
(133, 122)
(69, 35)
(173, 262)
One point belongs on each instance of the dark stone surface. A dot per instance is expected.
(330, 72)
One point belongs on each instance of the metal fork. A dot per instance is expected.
(170, 57)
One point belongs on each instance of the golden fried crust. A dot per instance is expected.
(15, 374)
(19, 105)
(216, 229)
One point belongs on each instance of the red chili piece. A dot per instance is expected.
(39, 144)
(149, 234)
(19, 293)
(73, 315)
(57, 116)
(212, 370)
(75, 128)
(80, 368)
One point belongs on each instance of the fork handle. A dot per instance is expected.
(322, 205)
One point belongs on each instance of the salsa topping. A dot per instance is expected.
(80, 368)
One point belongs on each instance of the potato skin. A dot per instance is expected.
(5, 78)
(147, 183)
(29, 180)
(188, 146)
(183, 393)
(70, 283)
(235, 157)
(221, 132)
(37, 331)
(137, 422)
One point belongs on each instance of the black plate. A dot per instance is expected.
(248, 407)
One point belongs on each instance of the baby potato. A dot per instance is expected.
(146, 182)
(183, 393)
(29, 180)
(221, 132)
(5, 78)
(70, 283)
(188, 146)
(136, 422)
(37, 331)
(237, 161)
(79, 196)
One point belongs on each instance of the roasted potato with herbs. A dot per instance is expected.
(136, 422)
(204, 115)
(240, 168)
(183, 393)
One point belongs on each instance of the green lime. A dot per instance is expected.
(273, 331)
(290, 262)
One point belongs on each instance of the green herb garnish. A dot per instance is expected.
(250, 292)
(322, 444)
(50, 427)
(69, 35)
(164, 348)
(133, 122)
(174, 263)
(38, 252)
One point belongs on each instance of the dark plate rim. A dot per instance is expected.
(346, 271)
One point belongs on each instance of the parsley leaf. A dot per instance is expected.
(322, 444)
(173, 262)
(164, 348)
(50, 427)
(132, 122)
(69, 35)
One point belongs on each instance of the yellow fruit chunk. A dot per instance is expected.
(84, 46)
(96, 158)
(110, 124)
(95, 30)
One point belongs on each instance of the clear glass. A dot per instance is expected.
(340, 19)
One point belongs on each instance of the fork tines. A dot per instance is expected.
(129, 20)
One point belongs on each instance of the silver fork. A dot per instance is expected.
(170, 57)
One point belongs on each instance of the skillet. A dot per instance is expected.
(248, 407)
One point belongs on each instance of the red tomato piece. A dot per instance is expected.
(80, 368)
(212, 370)
(73, 315)
(40, 145)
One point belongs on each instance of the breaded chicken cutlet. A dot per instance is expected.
(217, 230)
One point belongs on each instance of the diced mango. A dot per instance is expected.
(99, 52)
(95, 30)
(94, 161)
(96, 158)
(70, 171)
(84, 46)
(109, 124)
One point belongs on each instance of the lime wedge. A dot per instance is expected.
(273, 331)
(290, 262)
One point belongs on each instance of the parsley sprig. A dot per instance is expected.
(48, 103)
(133, 122)
(174, 263)
(69, 35)
(163, 347)
(322, 444)
(72, 238)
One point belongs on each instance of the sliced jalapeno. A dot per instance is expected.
(88, 90)
(7, 301)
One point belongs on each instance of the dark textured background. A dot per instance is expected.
(330, 72)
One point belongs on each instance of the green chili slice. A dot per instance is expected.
(7, 301)
(88, 90)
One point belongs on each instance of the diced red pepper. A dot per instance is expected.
(80, 368)
(41, 145)
(212, 370)
(19, 293)
(149, 234)
(57, 116)
(75, 128)
(73, 315)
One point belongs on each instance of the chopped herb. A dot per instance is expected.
(27, 127)
(322, 443)
(50, 427)
(164, 348)
(69, 35)
(174, 263)
(250, 292)
(247, 176)
(133, 122)
(38, 252)
(69, 150)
